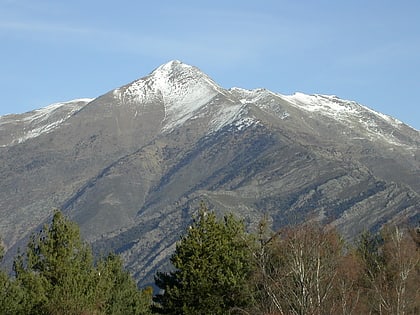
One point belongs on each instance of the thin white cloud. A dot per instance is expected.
(229, 48)
(40, 27)
(225, 35)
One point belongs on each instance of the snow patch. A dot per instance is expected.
(327, 104)
(284, 115)
(44, 113)
(393, 121)
(374, 125)
(245, 122)
(181, 88)
(43, 120)
(333, 106)
(36, 132)
(251, 96)
(353, 114)
(225, 116)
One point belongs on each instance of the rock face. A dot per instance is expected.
(131, 166)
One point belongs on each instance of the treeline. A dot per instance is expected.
(220, 268)
(306, 269)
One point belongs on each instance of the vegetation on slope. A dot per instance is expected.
(220, 268)
(57, 275)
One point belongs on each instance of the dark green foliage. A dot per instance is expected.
(57, 275)
(220, 269)
(123, 296)
(57, 271)
(212, 268)
(11, 295)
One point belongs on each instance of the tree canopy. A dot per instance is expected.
(212, 264)
(220, 268)
(57, 275)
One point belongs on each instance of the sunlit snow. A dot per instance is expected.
(185, 93)
(333, 106)
(43, 120)
(183, 90)
(367, 121)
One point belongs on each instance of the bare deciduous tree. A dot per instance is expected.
(298, 270)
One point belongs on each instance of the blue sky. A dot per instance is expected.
(367, 51)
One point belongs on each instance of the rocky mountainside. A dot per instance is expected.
(131, 165)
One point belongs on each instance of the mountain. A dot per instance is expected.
(132, 165)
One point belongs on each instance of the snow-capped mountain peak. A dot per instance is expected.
(131, 165)
(183, 89)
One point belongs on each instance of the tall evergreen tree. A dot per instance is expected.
(212, 268)
(123, 296)
(11, 295)
(58, 276)
(57, 270)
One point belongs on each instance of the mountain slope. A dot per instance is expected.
(16, 129)
(132, 165)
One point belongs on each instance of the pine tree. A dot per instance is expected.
(11, 295)
(58, 276)
(122, 295)
(212, 268)
(57, 271)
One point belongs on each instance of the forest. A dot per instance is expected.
(219, 267)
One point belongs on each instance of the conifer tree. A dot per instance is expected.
(58, 276)
(57, 270)
(11, 295)
(122, 295)
(212, 268)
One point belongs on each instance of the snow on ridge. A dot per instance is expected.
(226, 115)
(49, 108)
(245, 122)
(36, 132)
(42, 120)
(393, 121)
(351, 113)
(251, 96)
(307, 102)
(237, 115)
(184, 90)
(45, 112)
(326, 104)
(181, 88)
(331, 105)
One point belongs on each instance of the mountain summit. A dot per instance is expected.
(133, 164)
(182, 90)
(171, 83)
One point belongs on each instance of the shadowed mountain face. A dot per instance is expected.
(131, 166)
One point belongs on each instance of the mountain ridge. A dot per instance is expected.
(157, 83)
(132, 165)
